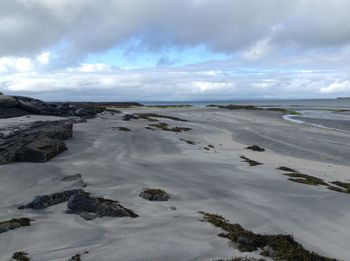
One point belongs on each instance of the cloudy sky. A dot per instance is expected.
(175, 49)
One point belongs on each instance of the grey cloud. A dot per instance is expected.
(88, 26)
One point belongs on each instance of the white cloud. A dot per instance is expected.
(93, 67)
(43, 58)
(11, 64)
(336, 87)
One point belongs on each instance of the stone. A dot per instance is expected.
(7, 101)
(34, 142)
(28, 107)
(40, 150)
(84, 203)
(44, 201)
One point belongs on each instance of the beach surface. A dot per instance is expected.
(119, 164)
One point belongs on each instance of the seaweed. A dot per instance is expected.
(343, 187)
(278, 247)
(287, 169)
(154, 194)
(151, 116)
(252, 163)
(20, 256)
(165, 127)
(191, 142)
(13, 224)
(121, 128)
(305, 179)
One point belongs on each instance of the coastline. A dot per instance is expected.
(120, 164)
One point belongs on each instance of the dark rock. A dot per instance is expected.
(19, 105)
(154, 195)
(7, 101)
(28, 107)
(13, 224)
(40, 150)
(84, 203)
(44, 201)
(255, 148)
(34, 142)
(128, 117)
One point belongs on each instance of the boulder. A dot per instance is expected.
(44, 201)
(28, 107)
(40, 150)
(7, 101)
(89, 207)
(34, 142)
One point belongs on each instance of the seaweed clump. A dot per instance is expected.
(343, 187)
(305, 179)
(296, 176)
(165, 127)
(20, 256)
(191, 142)
(154, 195)
(13, 224)
(242, 259)
(278, 247)
(252, 163)
(76, 257)
(151, 116)
(121, 128)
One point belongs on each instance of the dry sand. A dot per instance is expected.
(119, 165)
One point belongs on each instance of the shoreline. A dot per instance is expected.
(119, 164)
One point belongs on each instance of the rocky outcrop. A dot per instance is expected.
(14, 106)
(90, 207)
(13, 224)
(34, 142)
(44, 201)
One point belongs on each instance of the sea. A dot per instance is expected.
(333, 114)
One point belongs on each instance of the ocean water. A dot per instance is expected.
(323, 113)
(297, 104)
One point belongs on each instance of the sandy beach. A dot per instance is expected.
(119, 164)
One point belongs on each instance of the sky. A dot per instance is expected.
(174, 50)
